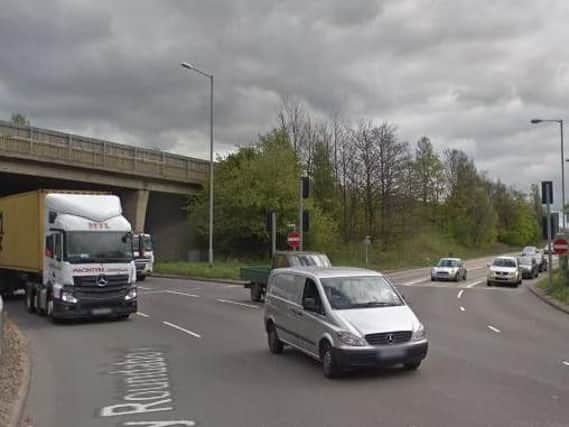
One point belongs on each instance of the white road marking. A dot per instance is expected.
(141, 314)
(233, 286)
(462, 308)
(494, 329)
(152, 292)
(144, 288)
(459, 296)
(474, 284)
(226, 301)
(182, 293)
(194, 334)
(566, 363)
(414, 282)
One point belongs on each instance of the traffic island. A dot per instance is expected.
(14, 375)
(557, 295)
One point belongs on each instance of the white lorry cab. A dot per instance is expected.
(72, 252)
(143, 255)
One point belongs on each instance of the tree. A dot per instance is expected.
(428, 173)
(20, 120)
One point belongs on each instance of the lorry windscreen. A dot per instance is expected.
(98, 246)
(147, 243)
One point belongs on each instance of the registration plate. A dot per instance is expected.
(101, 311)
(390, 353)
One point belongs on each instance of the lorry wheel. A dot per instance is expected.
(256, 292)
(37, 305)
(49, 310)
(141, 278)
(30, 301)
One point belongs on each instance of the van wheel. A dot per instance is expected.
(256, 292)
(330, 366)
(30, 306)
(275, 344)
(412, 366)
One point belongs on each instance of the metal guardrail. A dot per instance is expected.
(1, 326)
(43, 145)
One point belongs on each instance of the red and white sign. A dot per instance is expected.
(293, 239)
(561, 246)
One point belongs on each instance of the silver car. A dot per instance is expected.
(344, 317)
(504, 271)
(449, 269)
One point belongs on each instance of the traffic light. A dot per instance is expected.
(269, 222)
(305, 221)
(305, 187)
(554, 225)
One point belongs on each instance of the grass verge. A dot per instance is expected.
(560, 289)
(220, 270)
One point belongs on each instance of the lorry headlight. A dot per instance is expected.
(131, 294)
(68, 297)
(350, 339)
(419, 333)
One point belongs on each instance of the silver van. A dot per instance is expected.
(344, 317)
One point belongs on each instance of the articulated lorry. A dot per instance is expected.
(70, 251)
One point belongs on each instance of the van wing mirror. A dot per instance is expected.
(309, 304)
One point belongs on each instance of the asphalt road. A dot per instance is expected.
(498, 357)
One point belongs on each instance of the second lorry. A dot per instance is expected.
(70, 251)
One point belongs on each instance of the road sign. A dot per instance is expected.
(293, 239)
(560, 246)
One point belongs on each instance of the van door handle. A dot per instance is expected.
(297, 312)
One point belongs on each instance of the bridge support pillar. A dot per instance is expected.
(135, 205)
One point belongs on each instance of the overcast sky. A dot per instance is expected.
(468, 74)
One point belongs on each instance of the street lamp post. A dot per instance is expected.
(536, 121)
(210, 77)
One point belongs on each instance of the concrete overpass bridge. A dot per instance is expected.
(153, 185)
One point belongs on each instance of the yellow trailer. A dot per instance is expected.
(22, 219)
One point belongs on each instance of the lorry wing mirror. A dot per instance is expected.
(52, 217)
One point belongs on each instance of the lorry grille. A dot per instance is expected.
(92, 281)
(387, 338)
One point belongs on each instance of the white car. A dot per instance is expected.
(504, 270)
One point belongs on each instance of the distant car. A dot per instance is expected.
(504, 271)
(537, 255)
(449, 269)
(529, 267)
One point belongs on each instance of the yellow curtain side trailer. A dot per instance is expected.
(22, 219)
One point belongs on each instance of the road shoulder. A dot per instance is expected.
(546, 298)
(15, 376)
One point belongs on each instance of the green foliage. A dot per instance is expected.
(20, 119)
(220, 270)
(560, 289)
(250, 183)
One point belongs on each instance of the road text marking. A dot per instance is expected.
(462, 308)
(182, 329)
(183, 293)
(226, 301)
(141, 314)
(494, 329)
(459, 296)
(474, 284)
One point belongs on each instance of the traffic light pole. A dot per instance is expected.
(549, 248)
(273, 233)
(300, 217)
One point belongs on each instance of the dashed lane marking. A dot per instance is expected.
(414, 282)
(462, 308)
(459, 296)
(226, 301)
(566, 363)
(233, 286)
(471, 285)
(182, 293)
(141, 314)
(494, 329)
(146, 288)
(179, 328)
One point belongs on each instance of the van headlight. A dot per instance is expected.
(131, 294)
(419, 333)
(348, 338)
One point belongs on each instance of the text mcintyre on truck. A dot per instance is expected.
(70, 251)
